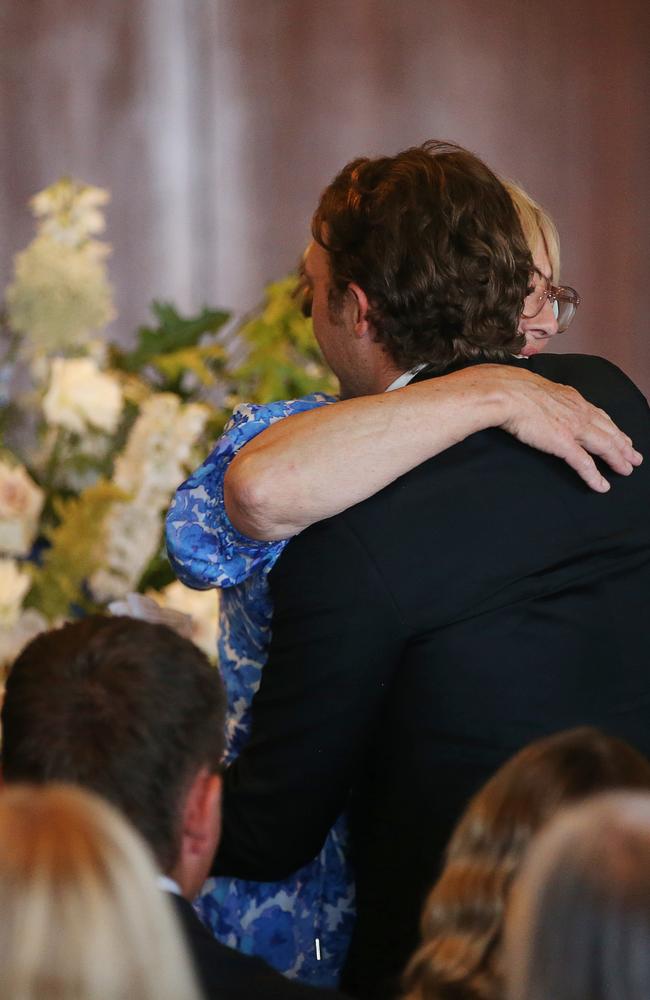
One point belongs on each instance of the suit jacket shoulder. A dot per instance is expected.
(599, 380)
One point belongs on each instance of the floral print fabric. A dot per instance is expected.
(302, 925)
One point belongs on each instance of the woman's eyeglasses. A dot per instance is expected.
(564, 300)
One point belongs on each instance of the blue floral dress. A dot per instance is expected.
(302, 925)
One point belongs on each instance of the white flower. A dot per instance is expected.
(69, 212)
(159, 447)
(14, 584)
(81, 460)
(132, 537)
(21, 502)
(202, 607)
(149, 470)
(14, 638)
(59, 295)
(80, 395)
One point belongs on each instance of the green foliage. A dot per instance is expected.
(214, 426)
(204, 361)
(283, 359)
(158, 573)
(76, 550)
(174, 334)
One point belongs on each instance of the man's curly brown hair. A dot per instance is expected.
(432, 237)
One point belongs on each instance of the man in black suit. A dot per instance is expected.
(136, 713)
(484, 599)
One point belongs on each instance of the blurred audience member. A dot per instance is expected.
(135, 712)
(81, 915)
(461, 954)
(579, 924)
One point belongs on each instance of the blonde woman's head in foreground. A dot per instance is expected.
(82, 916)
(578, 927)
(462, 921)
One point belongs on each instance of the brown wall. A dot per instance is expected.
(215, 123)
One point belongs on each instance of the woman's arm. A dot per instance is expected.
(204, 548)
(313, 465)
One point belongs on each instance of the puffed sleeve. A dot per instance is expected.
(204, 547)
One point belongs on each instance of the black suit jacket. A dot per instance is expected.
(483, 600)
(226, 974)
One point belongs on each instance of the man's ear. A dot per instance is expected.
(360, 305)
(202, 814)
(200, 831)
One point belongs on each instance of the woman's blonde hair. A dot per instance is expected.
(82, 916)
(462, 921)
(536, 222)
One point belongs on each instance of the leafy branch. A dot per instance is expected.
(76, 550)
(173, 334)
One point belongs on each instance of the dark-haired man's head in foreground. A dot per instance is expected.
(418, 257)
(133, 712)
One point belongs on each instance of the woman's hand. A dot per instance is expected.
(556, 419)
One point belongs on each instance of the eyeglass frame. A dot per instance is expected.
(555, 293)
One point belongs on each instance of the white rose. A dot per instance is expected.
(80, 395)
(14, 584)
(21, 502)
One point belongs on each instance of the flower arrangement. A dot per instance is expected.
(95, 438)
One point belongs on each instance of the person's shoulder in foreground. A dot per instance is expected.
(226, 973)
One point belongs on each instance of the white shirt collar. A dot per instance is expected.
(168, 884)
(405, 378)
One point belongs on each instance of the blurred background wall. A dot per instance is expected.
(216, 123)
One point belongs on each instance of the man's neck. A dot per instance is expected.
(370, 383)
(368, 370)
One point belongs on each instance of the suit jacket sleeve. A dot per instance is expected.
(337, 637)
